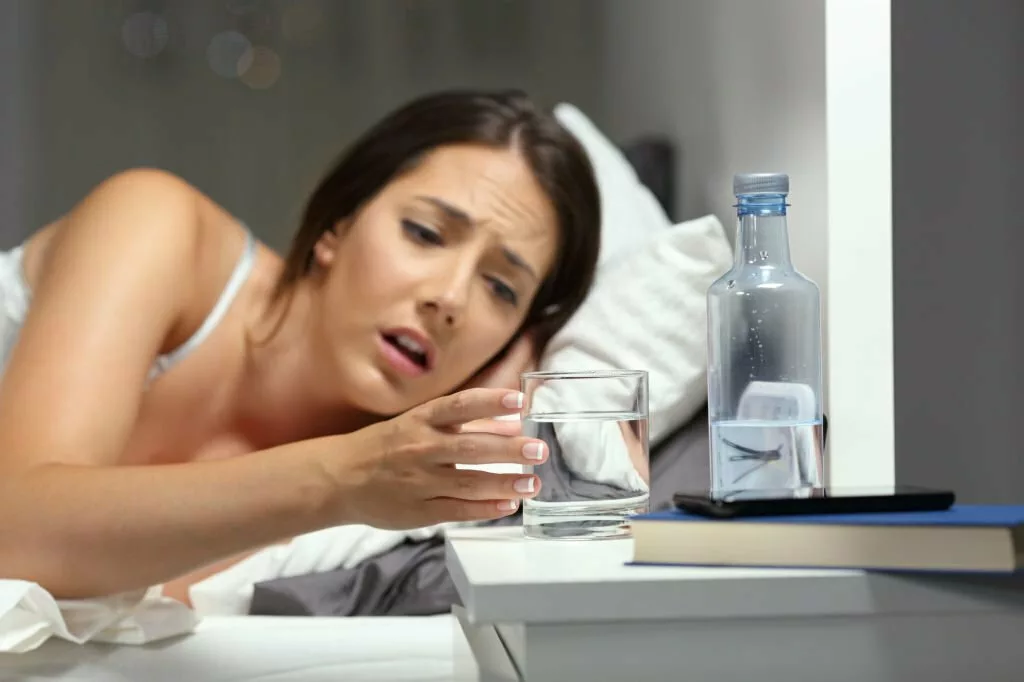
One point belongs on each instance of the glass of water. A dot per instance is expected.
(598, 469)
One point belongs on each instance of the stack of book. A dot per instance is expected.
(964, 538)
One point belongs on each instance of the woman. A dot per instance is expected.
(162, 342)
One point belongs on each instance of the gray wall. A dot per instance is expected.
(17, 120)
(99, 108)
(958, 245)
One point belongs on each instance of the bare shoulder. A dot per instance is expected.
(111, 282)
(126, 211)
(148, 219)
(144, 191)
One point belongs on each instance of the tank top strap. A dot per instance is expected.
(235, 283)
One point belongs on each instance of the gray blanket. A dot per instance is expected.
(411, 579)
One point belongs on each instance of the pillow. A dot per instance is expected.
(630, 213)
(649, 312)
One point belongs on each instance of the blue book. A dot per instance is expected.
(964, 538)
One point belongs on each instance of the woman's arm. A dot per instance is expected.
(113, 284)
(82, 530)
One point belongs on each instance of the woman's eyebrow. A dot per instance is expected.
(452, 212)
(458, 215)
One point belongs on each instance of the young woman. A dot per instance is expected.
(174, 394)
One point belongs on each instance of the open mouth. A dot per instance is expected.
(410, 348)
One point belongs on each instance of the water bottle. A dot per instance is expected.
(764, 354)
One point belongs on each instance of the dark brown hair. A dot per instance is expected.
(496, 119)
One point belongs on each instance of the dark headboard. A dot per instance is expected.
(654, 159)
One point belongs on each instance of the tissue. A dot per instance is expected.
(30, 615)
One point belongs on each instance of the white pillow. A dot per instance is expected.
(649, 312)
(630, 213)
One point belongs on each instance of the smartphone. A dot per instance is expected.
(807, 501)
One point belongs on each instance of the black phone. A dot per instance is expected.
(807, 501)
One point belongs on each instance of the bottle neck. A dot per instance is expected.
(763, 237)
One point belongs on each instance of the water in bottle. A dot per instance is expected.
(764, 354)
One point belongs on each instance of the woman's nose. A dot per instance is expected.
(447, 296)
(446, 315)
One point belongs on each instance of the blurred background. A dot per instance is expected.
(250, 100)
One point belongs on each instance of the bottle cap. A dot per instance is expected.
(760, 183)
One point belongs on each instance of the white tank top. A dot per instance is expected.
(15, 299)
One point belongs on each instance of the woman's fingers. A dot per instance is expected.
(488, 448)
(469, 484)
(471, 405)
(499, 427)
(479, 495)
(451, 509)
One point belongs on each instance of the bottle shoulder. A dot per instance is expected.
(747, 278)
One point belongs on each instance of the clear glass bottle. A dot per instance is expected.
(764, 354)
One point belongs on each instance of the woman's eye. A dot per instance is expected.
(422, 233)
(503, 291)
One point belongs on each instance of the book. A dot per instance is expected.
(964, 538)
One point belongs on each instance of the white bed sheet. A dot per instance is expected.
(257, 649)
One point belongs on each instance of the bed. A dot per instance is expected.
(257, 649)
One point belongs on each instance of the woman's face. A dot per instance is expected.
(433, 276)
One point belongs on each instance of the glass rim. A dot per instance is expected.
(586, 374)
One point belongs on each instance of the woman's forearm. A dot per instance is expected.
(83, 531)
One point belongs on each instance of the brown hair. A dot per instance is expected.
(496, 119)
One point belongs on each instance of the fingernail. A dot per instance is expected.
(512, 400)
(534, 451)
(524, 485)
(508, 505)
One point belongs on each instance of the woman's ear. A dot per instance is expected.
(326, 247)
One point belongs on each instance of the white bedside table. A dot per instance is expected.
(543, 610)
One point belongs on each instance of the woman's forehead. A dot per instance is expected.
(489, 188)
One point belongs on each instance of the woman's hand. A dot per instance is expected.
(402, 473)
(504, 372)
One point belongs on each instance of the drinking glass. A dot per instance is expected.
(597, 474)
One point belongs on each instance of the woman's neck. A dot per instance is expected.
(283, 396)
